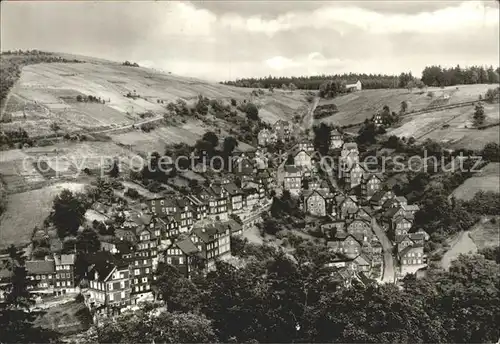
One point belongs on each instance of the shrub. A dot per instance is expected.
(132, 193)
(233, 102)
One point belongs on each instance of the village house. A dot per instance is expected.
(217, 198)
(346, 245)
(143, 263)
(162, 206)
(345, 206)
(411, 259)
(266, 137)
(306, 146)
(410, 210)
(42, 273)
(283, 130)
(117, 247)
(183, 254)
(395, 221)
(332, 227)
(266, 178)
(184, 214)
(360, 228)
(302, 158)
(378, 119)
(357, 86)
(235, 228)
(364, 214)
(198, 206)
(169, 228)
(315, 202)
(371, 183)
(109, 282)
(352, 175)
(292, 180)
(213, 241)
(243, 166)
(380, 197)
(363, 263)
(235, 195)
(65, 274)
(336, 139)
(251, 194)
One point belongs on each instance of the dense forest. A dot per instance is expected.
(369, 81)
(439, 76)
(431, 76)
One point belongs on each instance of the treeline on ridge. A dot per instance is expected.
(431, 76)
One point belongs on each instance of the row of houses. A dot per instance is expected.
(349, 205)
(281, 131)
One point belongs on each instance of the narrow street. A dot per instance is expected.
(389, 272)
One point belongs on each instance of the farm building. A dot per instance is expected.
(354, 87)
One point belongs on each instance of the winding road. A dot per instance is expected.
(389, 274)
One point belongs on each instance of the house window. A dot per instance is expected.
(122, 295)
(137, 272)
(110, 297)
(181, 260)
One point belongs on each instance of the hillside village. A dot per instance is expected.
(298, 186)
(362, 221)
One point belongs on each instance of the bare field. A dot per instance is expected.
(358, 106)
(29, 209)
(452, 127)
(486, 180)
(486, 233)
(53, 88)
(24, 169)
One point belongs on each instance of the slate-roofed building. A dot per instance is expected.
(292, 180)
(183, 254)
(213, 241)
(65, 273)
(42, 273)
(109, 281)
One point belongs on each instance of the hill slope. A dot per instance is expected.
(47, 93)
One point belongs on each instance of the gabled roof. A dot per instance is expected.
(400, 238)
(291, 169)
(38, 267)
(232, 189)
(401, 199)
(65, 259)
(309, 193)
(186, 246)
(142, 219)
(362, 259)
(350, 146)
(335, 132)
(411, 207)
(417, 236)
(377, 196)
(232, 225)
(408, 249)
(389, 213)
(207, 232)
(103, 263)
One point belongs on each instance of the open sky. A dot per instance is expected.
(221, 40)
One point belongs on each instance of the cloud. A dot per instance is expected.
(186, 20)
(280, 63)
(466, 15)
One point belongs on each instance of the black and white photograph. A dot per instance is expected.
(249, 171)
